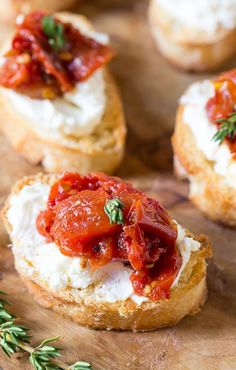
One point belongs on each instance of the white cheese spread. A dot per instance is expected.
(58, 271)
(195, 116)
(202, 15)
(76, 114)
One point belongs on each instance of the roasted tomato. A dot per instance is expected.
(222, 103)
(156, 280)
(153, 219)
(103, 218)
(48, 57)
(80, 218)
(70, 184)
(221, 109)
(224, 100)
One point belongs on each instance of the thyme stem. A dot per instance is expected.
(14, 338)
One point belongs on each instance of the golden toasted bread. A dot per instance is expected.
(82, 306)
(190, 49)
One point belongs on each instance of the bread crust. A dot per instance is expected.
(102, 150)
(9, 9)
(187, 49)
(208, 190)
(80, 306)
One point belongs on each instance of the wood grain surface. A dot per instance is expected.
(150, 89)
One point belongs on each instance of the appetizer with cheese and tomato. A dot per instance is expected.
(204, 144)
(9, 9)
(194, 35)
(103, 253)
(58, 102)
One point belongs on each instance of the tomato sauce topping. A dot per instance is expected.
(223, 104)
(48, 57)
(103, 218)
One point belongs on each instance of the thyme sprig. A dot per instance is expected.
(54, 31)
(113, 209)
(226, 129)
(15, 337)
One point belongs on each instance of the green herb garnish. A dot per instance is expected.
(113, 209)
(54, 31)
(227, 128)
(14, 338)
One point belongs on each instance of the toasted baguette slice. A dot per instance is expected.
(9, 9)
(100, 151)
(188, 50)
(81, 305)
(208, 190)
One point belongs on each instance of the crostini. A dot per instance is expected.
(194, 35)
(9, 9)
(103, 253)
(204, 144)
(58, 102)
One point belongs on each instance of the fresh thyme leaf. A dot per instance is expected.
(60, 39)
(11, 336)
(48, 24)
(14, 338)
(80, 365)
(113, 209)
(226, 129)
(42, 355)
(54, 31)
(49, 340)
(4, 315)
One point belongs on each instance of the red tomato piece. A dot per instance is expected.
(223, 102)
(76, 221)
(156, 282)
(229, 75)
(102, 252)
(80, 218)
(70, 184)
(44, 222)
(58, 70)
(153, 219)
(136, 247)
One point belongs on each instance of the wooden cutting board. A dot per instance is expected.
(150, 89)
